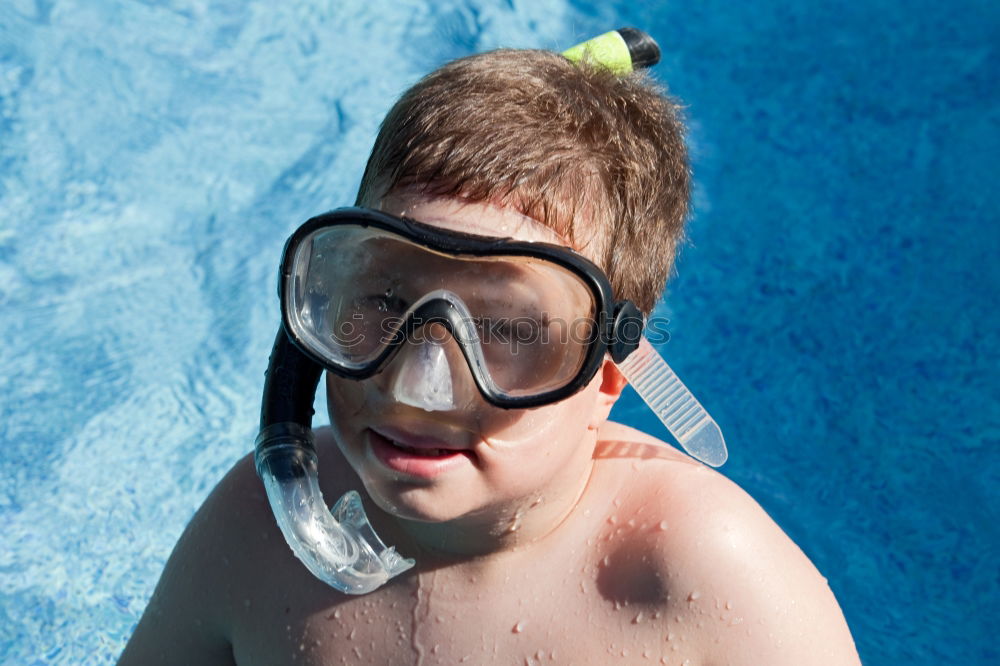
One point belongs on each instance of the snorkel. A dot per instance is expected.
(338, 545)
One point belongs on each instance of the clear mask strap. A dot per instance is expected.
(673, 403)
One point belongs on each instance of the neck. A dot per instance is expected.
(483, 538)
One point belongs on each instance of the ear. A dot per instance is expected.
(612, 384)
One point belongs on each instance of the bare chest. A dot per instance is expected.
(427, 621)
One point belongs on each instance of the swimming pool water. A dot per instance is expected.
(835, 310)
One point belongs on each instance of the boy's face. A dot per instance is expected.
(475, 460)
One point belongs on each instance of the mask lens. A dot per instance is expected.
(353, 287)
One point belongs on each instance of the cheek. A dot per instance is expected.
(345, 402)
(547, 438)
(571, 417)
(352, 395)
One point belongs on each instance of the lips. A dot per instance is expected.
(416, 455)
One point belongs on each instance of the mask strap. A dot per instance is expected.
(674, 404)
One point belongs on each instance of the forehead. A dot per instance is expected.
(471, 217)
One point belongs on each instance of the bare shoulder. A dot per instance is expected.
(227, 568)
(738, 585)
(187, 618)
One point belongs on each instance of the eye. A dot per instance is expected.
(490, 327)
(384, 302)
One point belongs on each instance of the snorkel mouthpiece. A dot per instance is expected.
(339, 547)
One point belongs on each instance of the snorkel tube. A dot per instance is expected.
(338, 546)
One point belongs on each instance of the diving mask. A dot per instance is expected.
(533, 321)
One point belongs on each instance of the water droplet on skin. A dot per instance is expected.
(351, 635)
(617, 502)
(729, 605)
(694, 596)
(336, 614)
(670, 636)
(514, 526)
(638, 618)
(662, 526)
(518, 628)
(302, 647)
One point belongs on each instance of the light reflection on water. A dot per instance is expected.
(831, 314)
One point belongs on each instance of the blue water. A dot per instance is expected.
(836, 309)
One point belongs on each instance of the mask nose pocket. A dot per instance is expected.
(425, 378)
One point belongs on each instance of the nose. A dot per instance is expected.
(430, 372)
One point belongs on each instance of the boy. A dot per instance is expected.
(542, 533)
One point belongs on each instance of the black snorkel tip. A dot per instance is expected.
(644, 50)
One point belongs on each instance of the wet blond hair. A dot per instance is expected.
(559, 142)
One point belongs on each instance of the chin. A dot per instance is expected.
(421, 504)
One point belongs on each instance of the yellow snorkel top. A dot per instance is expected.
(622, 51)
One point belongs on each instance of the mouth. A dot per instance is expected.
(426, 453)
(416, 455)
